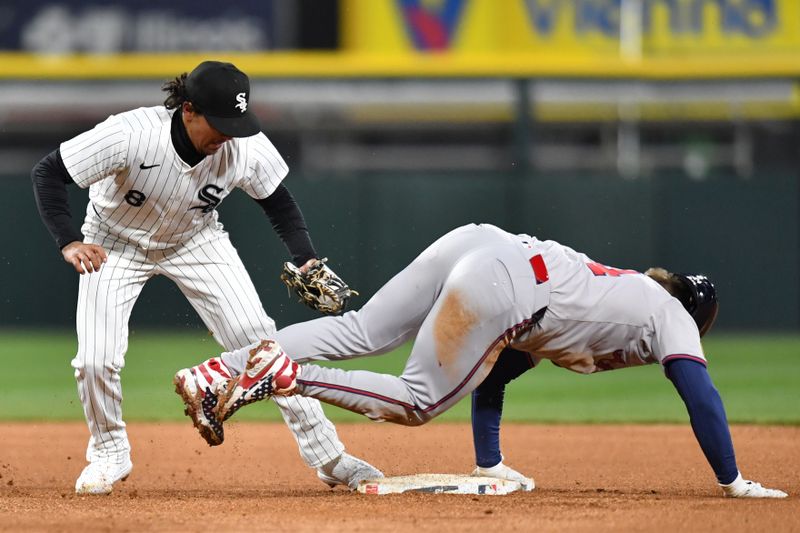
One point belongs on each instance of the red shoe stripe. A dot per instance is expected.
(246, 381)
(216, 365)
(205, 373)
(286, 363)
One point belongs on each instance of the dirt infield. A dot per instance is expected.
(589, 478)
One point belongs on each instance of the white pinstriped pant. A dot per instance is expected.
(211, 275)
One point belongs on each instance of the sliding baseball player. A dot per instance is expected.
(482, 306)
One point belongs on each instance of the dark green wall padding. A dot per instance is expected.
(744, 234)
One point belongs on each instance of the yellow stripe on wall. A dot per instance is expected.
(355, 65)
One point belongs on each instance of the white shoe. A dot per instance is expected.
(348, 471)
(198, 387)
(742, 488)
(269, 372)
(502, 471)
(99, 476)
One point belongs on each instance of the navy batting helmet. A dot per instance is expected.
(700, 300)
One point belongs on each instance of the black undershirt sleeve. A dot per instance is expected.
(288, 222)
(50, 179)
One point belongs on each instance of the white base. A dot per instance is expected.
(439, 484)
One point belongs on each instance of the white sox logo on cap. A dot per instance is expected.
(242, 105)
(212, 87)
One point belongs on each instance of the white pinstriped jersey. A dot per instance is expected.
(602, 318)
(142, 192)
(155, 215)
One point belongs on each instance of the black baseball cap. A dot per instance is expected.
(221, 92)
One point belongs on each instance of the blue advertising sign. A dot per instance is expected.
(103, 27)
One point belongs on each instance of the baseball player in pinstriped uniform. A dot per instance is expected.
(155, 177)
(483, 306)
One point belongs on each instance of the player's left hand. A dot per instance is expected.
(742, 488)
(318, 286)
(502, 471)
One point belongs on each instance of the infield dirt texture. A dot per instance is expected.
(589, 478)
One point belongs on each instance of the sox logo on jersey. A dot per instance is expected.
(206, 194)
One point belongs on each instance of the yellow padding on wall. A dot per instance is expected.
(351, 65)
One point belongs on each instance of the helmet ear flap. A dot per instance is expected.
(709, 321)
(700, 300)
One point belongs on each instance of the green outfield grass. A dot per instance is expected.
(757, 375)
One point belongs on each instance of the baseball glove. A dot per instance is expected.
(319, 287)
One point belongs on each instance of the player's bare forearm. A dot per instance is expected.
(85, 258)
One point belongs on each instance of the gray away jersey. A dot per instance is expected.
(141, 192)
(601, 318)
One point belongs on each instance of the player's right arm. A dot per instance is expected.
(85, 159)
(50, 179)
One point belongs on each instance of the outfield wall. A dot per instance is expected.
(650, 39)
(742, 233)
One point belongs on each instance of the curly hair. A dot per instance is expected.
(670, 282)
(176, 93)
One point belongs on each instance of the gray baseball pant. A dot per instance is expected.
(462, 300)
